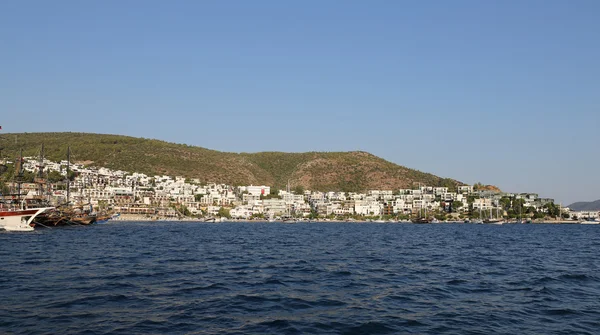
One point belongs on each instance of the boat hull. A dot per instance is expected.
(83, 220)
(20, 220)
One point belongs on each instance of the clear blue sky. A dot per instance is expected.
(502, 92)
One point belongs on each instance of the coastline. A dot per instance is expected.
(143, 218)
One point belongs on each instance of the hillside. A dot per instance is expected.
(325, 171)
(481, 187)
(585, 206)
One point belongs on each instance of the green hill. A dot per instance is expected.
(325, 171)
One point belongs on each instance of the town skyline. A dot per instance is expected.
(500, 93)
(166, 197)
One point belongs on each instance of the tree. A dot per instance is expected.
(552, 209)
(506, 203)
(456, 205)
(440, 216)
(269, 196)
(471, 199)
(55, 176)
(518, 207)
(102, 204)
(185, 211)
(224, 213)
(449, 183)
(299, 190)
(4, 189)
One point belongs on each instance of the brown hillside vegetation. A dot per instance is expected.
(325, 171)
(481, 187)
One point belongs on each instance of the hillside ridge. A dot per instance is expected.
(324, 171)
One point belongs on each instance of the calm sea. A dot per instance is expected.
(325, 278)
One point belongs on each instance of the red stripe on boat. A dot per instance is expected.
(16, 213)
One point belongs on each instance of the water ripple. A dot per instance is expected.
(241, 278)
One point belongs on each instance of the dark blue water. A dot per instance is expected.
(260, 278)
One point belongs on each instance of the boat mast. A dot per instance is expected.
(559, 211)
(40, 176)
(68, 180)
(20, 175)
(520, 212)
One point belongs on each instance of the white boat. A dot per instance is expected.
(289, 219)
(592, 221)
(19, 219)
(494, 221)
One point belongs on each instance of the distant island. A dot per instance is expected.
(585, 206)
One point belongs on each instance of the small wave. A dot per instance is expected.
(456, 281)
(254, 298)
(414, 323)
(87, 301)
(215, 286)
(370, 328)
(560, 311)
(355, 284)
(70, 316)
(329, 303)
(274, 282)
(278, 325)
(544, 280)
(401, 298)
(146, 325)
(296, 303)
(576, 277)
(119, 285)
(520, 289)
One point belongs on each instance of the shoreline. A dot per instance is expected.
(143, 218)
